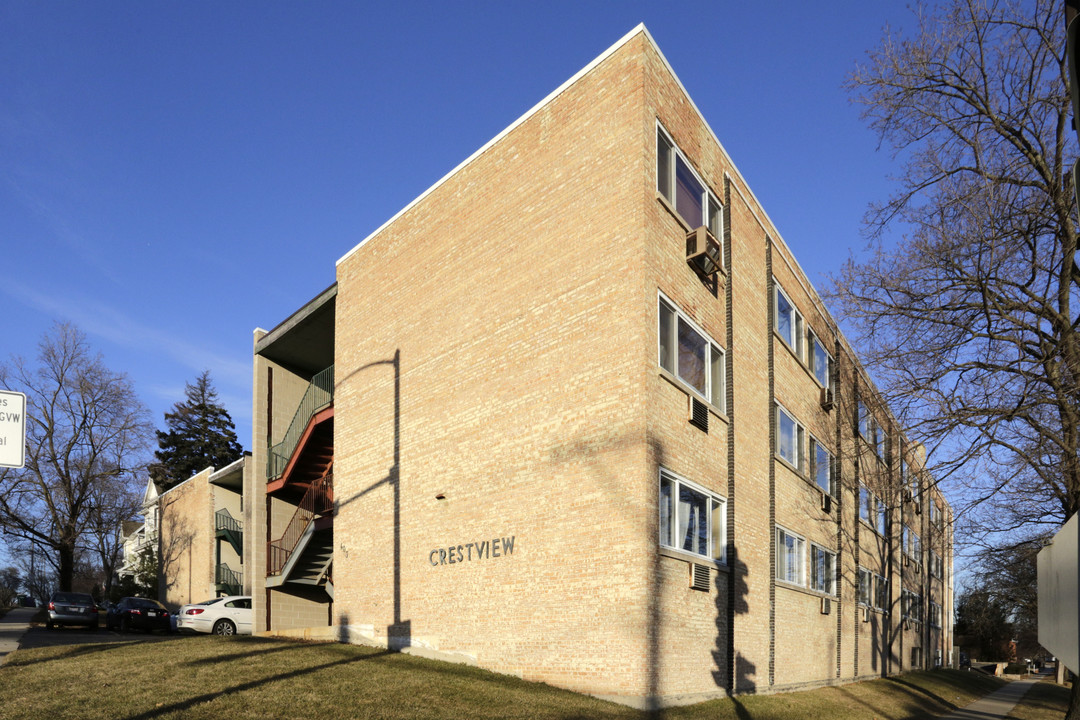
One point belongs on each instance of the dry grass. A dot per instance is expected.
(264, 678)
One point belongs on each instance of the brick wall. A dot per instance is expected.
(497, 380)
(187, 542)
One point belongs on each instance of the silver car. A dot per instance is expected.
(72, 608)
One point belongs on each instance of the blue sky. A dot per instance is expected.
(174, 175)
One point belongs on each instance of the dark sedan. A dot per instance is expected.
(72, 608)
(138, 614)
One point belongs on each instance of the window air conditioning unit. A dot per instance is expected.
(866, 614)
(907, 495)
(918, 508)
(826, 399)
(907, 561)
(703, 252)
(826, 605)
(826, 502)
(699, 576)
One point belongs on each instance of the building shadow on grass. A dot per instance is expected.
(191, 702)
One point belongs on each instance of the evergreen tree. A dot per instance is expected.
(200, 434)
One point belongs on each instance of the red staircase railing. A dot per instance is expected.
(318, 499)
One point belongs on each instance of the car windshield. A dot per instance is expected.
(211, 601)
(78, 598)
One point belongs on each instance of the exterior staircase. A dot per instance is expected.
(302, 465)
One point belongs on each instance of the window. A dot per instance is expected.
(936, 566)
(821, 466)
(820, 361)
(909, 480)
(822, 570)
(935, 515)
(691, 518)
(912, 544)
(881, 592)
(788, 322)
(911, 606)
(935, 614)
(870, 430)
(872, 510)
(790, 439)
(690, 355)
(680, 185)
(790, 557)
(872, 590)
(864, 587)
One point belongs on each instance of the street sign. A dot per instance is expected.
(1059, 599)
(12, 429)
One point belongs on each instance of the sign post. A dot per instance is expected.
(12, 429)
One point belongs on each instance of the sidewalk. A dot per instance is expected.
(12, 627)
(997, 704)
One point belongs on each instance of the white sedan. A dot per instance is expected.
(229, 615)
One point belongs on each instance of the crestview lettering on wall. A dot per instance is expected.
(483, 550)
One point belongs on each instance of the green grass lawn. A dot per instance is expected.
(264, 678)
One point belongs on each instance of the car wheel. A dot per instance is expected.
(93, 628)
(224, 627)
(49, 625)
(125, 625)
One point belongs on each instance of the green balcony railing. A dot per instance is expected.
(228, 580)
(319, 394)
(223, 520)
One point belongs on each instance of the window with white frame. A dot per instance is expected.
(872, 510)
(689, 354)
(820, 361)
(788, 321)
(909, 480)
(821, 466)
(691, 518)
(936, 566)
(935, 515)
(790, 557)
(935, 614)
(682, 187)
(870, 430)
(911, 606)
(864, 591)
(790, 438)
(872, 589)
(912, 544)
(881, 592)
(822, 570)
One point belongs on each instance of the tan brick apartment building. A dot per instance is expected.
(522, 430)
(200, 547)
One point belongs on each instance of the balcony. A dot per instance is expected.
(226, 527)
(227, 580)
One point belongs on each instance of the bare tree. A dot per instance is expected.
(87, 436)
(969, 321)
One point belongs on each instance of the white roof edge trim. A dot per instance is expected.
(227, 469)
(529, 113)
